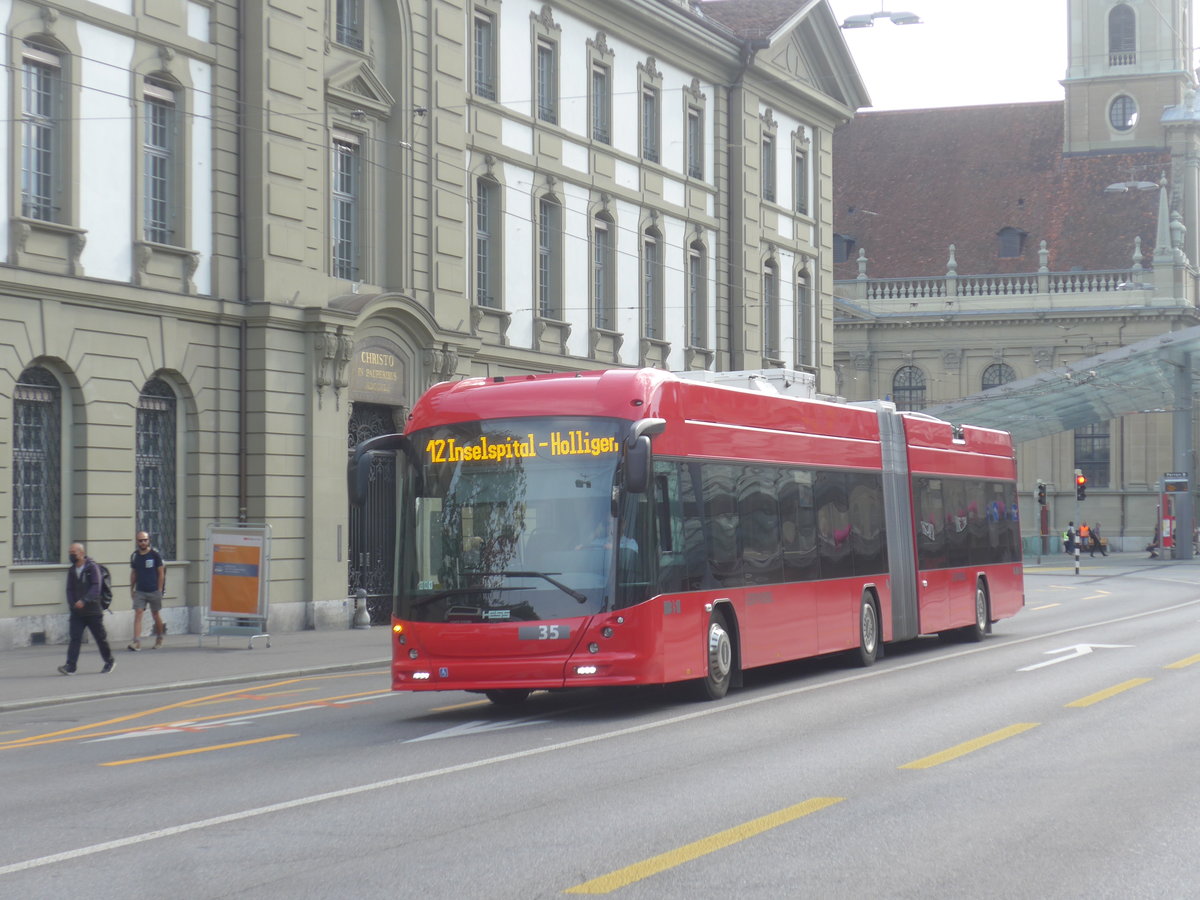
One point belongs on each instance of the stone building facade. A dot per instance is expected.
(242, 236)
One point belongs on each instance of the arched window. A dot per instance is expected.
(998, 374)
(155, 465)
(908, 388)
(37, 467)
(1122, 36)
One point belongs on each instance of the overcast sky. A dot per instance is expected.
(966, 52)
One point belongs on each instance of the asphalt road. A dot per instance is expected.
(1057, 758)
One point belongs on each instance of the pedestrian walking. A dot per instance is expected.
(1097, 541)
(1085, 537)
(1069, 537)
(83, 600)
(147, 577)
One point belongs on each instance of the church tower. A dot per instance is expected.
(1129, 60)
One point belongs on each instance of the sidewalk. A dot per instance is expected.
(1129, 559)
(29, 676)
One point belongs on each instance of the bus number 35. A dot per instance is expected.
(544, 632)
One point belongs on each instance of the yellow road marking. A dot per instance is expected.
(655, 864)
(1046, 606)
(1184, 663)
(80, 731)
(963, 749)
(140, 759)
(252, 695)
(1109, 692)
(466, 705)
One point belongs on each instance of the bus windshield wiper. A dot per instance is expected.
(545, 576)
(451, 592)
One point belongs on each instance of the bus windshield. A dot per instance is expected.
(511, 520)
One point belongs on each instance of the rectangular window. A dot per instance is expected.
(549, 247)
(768, 169)
(800, 188)
(485, 55)
(650, 125)
(601, 104)
(804, 328)
(1092, 453)
(41, 131)
(770, 288)
(349, 28)
(695, 142)
(547, 82)
(652, 286)
(697, 298)
(345, 208)
(487, 259)
(602, 276)
(158, 151)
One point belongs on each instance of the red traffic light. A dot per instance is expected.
(1080, 480)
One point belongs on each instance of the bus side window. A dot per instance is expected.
(668, 522)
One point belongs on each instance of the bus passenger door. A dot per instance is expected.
(933, 597)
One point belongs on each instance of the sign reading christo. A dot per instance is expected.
(376, 375)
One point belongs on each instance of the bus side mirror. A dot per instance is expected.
(637, 453)
(637, 465)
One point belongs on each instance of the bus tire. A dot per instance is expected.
(868, 632)
(718, 655)
(509, 697)
(978, 629)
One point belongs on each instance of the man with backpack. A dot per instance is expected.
(147, 578)
(84, 582)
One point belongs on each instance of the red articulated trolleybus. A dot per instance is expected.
(637, 527)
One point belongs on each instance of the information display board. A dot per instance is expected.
(236, 599)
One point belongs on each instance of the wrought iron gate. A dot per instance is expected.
(373, 524)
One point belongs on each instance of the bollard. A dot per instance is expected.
(362, 619)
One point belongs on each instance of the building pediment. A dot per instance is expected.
(357, 85)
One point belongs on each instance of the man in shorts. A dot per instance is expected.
(146, 579)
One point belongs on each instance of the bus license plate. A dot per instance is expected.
(543, 632)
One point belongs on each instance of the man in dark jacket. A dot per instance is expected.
(83, 599)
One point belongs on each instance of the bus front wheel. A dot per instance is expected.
(978, 630)
(718, 652)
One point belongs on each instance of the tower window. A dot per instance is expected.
(1122, 114)
(1122, 36)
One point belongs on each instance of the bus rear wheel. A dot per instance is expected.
(509, 697)
(868, 632)
(977, 630)
(718, 652)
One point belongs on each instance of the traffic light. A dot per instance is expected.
(1041, 495)
(1080, 487)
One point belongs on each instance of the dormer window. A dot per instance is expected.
(1011, 243)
